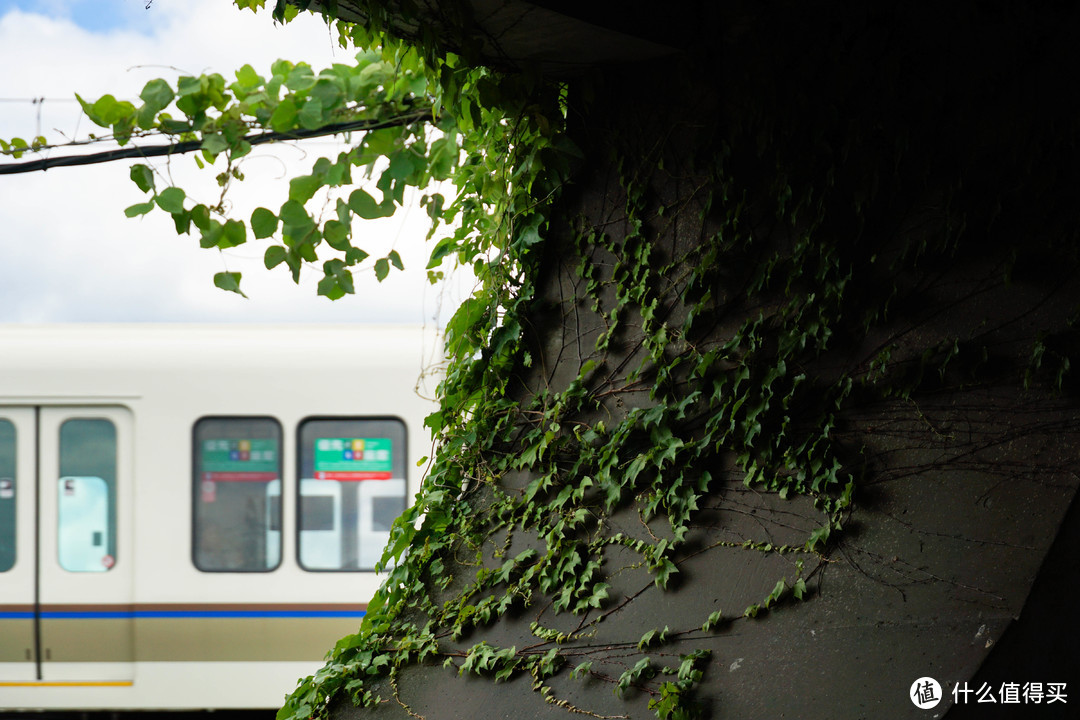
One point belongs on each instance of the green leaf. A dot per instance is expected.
(382, 269)
(311, 116)
(327, 92)
(301, 78)
(442, 248)
(647, 638)
(329, 288)
(215, 144)
(376, 73)
(443, 157)
(107, 110)
(664, 570)
(139, 209)
(361, 203)
(173, 127)
(294, 215)
(182, 222)
(143, 177)
(400, 165)
(395, 260)
(383, 141)
(123, 128)
(336, 233)
(338, 173)
(337, 280)
(263, 223)
(529, 236)
(13, 147)
(284, 116)
(306, 248)
(459, 329)
(777, 593)
(820, 536)
(188, 85)
(157, 94)
(301, 189)
(355, 256)
(247, 78)
(211, 234)
(233, 234)
(229, 281)
(581, 670)
(171, 200)
(275, 255)
(200, 215)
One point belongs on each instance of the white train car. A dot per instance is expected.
(190, 515)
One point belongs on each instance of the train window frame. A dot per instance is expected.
(75, 482)
(9, 487)
(197, 491)
(399, 461)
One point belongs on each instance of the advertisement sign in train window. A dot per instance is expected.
(353, 459)
(352, 487)
(237, 494)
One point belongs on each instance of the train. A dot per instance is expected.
(191, 515)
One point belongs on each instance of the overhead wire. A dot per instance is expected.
(187, 146)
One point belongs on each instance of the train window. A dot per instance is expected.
(237, 495)
(7, 495)
(352, 487)
(86, 498)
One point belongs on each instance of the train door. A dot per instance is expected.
(69, 595)
(18, 658)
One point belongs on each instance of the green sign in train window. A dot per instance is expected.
(241, 459)
(354, 459)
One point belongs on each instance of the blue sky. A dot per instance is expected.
(95, 15)
(68, 254)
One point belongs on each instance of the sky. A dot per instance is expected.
(68, 254)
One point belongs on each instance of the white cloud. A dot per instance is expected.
(67, 253)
